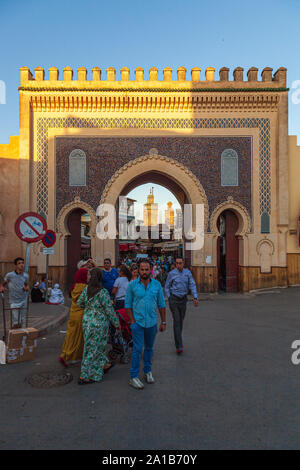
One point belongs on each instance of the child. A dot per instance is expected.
(120, 286)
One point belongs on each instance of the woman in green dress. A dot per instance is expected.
(98, 312)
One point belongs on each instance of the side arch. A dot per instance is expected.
(239, 210)
(63, 231)
(61, 222)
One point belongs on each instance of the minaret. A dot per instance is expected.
(150, 210)
(169, 215)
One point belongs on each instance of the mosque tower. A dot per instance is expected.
(150, 210)
(169, 215)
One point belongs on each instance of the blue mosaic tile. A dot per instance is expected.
(263, 124)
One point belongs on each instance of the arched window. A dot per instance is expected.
(229, 168)
(77, 168)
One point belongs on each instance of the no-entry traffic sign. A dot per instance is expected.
(49, 238)
(30, 227)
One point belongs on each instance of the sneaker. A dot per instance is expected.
(136, 383)
(149, 378)
(179, 350)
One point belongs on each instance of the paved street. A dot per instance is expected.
(235, 387)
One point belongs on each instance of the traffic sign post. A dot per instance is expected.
(47, 269)
(27, 258)
(48, 240)
(48, 251)
(30, 227)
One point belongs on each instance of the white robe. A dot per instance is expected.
(56, 296)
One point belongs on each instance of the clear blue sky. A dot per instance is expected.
(155, 33)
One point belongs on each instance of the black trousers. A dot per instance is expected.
(178, 309)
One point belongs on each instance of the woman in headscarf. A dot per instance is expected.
(98, 312)
(73, 345)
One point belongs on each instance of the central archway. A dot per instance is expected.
(165, 171)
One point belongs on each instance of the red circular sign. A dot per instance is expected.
(30, 227)
(49, 238)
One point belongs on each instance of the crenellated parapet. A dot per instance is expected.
(174, 93)
(241, 79)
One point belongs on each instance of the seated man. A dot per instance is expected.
(36, 293)
(56, 296)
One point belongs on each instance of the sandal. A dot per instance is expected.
(62, 361)
(106, 369)
(85, 382)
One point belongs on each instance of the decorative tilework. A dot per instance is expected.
(263, 124)
(198, 154)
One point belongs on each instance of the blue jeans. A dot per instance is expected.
(142, 337)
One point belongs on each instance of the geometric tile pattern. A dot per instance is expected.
(43, 124)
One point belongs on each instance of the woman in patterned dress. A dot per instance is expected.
(98, 312)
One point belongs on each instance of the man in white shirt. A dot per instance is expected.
(17, 283)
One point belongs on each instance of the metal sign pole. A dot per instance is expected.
(26, 269)
(4, 317)
(27, 258)
(47, 264)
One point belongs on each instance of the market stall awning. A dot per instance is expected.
(123, 246)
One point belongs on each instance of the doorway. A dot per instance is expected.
(154, 205)
(228, 252)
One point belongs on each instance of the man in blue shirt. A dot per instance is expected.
(109, 275)
(144, 295)
(178, 284)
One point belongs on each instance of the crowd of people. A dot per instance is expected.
(160, 266)
(97, 296)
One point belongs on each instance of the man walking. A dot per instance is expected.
(109, 275)
(178, 284)
(143, 297)
(17, 282)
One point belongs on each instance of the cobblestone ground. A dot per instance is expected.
(234, 387)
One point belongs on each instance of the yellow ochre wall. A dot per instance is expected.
(9, 200)
(293, 249)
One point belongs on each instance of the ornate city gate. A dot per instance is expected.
(221, 143)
